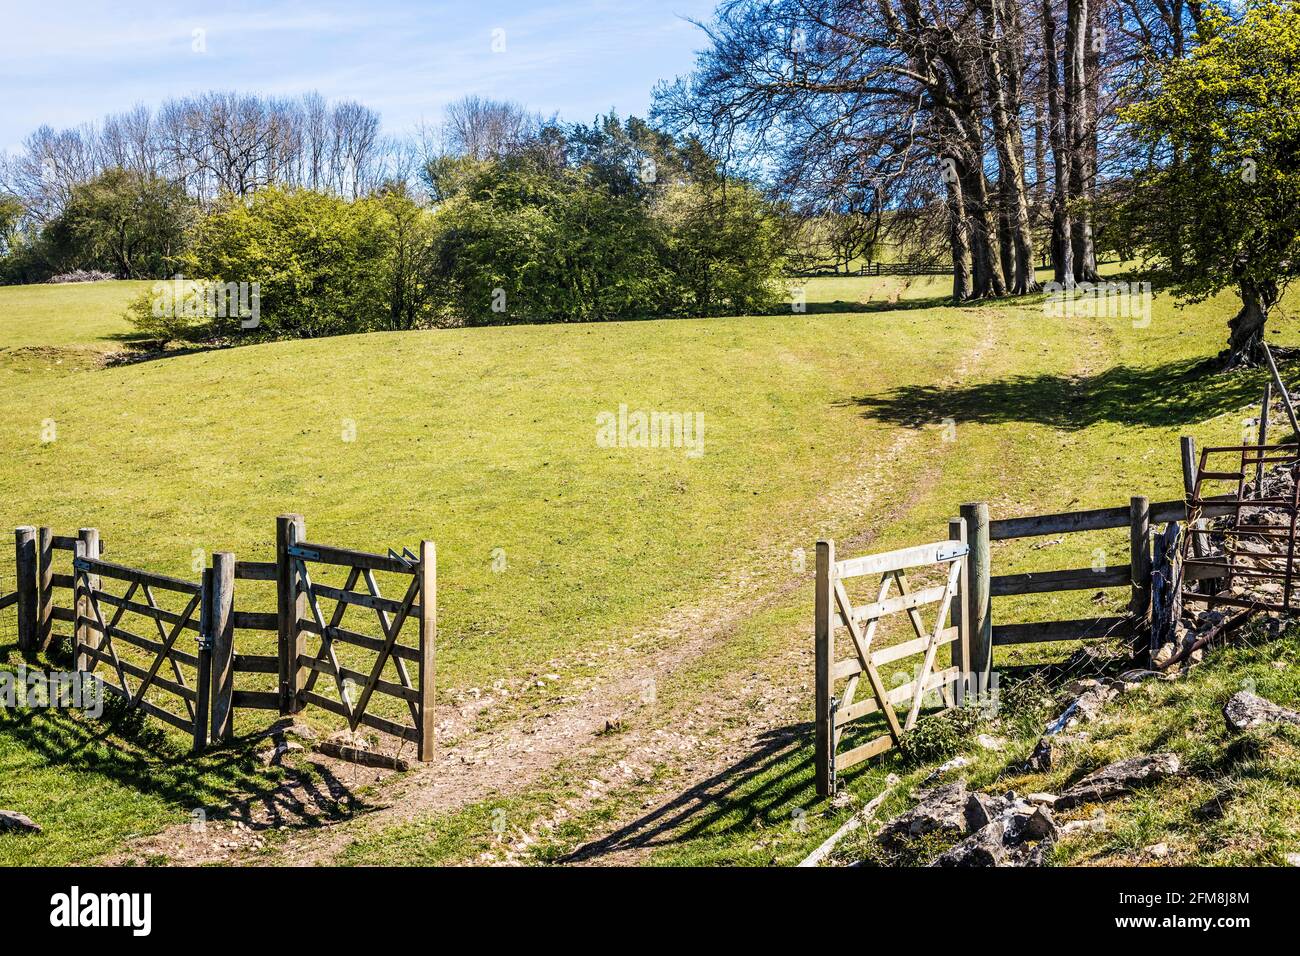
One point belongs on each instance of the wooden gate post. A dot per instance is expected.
(428, 645)
(978, 611)
(289, 530)
(961, 647)
(87, 547)
(824, 653)
(1140, 554)
(27, 587)
(45, 605)
(221, 627)
(203, 679)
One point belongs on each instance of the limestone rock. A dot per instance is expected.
(13, 822)
(1120, 778)
(941, 810)
(1244, 710)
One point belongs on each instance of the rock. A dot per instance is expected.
(990, 743)
(1157, 851)
(1293, 859)
(955, 763)
(983, 848)
(982, 809)
(1089, 704)
(301, 731)
(1039, 825)
(941, 810)
(275, 755)
(1049, 751)
(1096, 822)
(1244, 710)
(1120, 778)
(1131, 679)
(12, 821)
(1041, 799)
(1013, 839)
(1164, 653)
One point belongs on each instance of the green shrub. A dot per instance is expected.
(938, 736)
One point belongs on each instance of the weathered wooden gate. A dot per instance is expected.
(211, 655)
(171, 682)
(342, 652)
(836, 609)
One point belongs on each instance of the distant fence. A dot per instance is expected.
(198, 687)
(883, 269)
(905, 269)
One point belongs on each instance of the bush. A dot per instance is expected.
(938, 736)
(316, 260)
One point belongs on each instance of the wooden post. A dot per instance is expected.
(87, 547)
(979, 601)
(428, 646)
(1139, 510)
(203, 680)
(824, 654)
(1187, 446)
(289, 529)
(45, 605)
(221, 626)
(25, 566)
(1263, 438)
(1281, 389)
(960, 647)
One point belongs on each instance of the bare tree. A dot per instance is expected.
(488, 129)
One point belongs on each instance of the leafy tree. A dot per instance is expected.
(725, 247)
(1223, 211)
(523, 242)
(319, 261)
(123, 222)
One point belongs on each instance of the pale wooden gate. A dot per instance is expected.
(383, 654)
(836, 609)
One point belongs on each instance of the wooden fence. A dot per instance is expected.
(905, 269)
(835, 609)
(974, 630)
(199, 687)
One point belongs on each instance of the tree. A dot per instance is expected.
(1227, 213)
(125, 222)
(481, 128)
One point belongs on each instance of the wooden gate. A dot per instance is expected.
(171, 682)
(836, 609)
(360, 665)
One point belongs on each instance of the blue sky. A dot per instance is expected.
(66, 62)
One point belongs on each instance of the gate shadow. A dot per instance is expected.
(694, 813)
(227, 781)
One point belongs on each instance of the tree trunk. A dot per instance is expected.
(1062, 242)
(1076, 132)
(1246, 328)
(959, 241)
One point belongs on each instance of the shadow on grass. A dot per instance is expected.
(228, 782)
(1172, 394)
(767, 780)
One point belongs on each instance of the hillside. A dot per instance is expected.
(867, 419)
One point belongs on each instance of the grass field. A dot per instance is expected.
(485, 441)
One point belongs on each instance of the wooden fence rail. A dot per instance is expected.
(200, 687)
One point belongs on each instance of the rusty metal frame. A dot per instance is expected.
(1200, 505)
